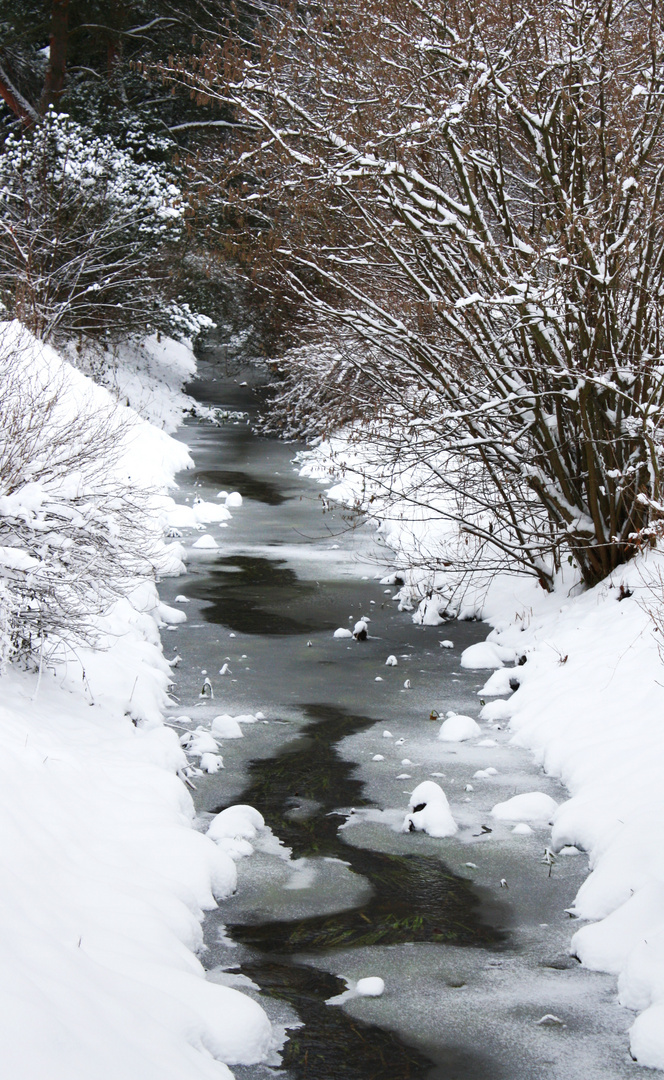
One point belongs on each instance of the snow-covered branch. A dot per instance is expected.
(478, 200)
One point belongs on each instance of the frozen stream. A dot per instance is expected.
(470, 966)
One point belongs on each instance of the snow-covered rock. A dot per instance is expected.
(205, 543)
(226, 727)
(199, 742)
(371, 986)
(481, 655)
(529, 806)
(211, 763)
(343, 632)
(459, 729)
(206, 513)
(501, 682)
(169, 616)
(497, 710)
(239, 820)
(429, 811)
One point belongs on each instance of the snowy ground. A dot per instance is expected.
(106, 879)
(105, 876)
(589, 704)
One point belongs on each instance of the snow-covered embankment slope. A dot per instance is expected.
(591, 706)
(104, 878)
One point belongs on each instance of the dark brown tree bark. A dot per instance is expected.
(57, 62)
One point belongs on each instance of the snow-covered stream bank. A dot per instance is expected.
(103, 880)
(493, 988)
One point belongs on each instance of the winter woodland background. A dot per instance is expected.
(442, 227)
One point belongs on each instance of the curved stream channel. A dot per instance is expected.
(470, 966)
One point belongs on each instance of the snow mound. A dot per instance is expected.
(529, 806)
(496, 710)
(459, 729)
(391, 661)
(226, 727)
(343, 632)
(499, 683)
(206, 543)
(198, 742)
(234, 499)
(169, 616)
(239, 820)
(646, 1040)
(211, 763)
(205, 513)
(606, 945)
(233, 828)
(237, 1030)
(481, 655)
(429, 812)
(371, 986)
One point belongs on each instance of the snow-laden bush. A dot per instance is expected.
(72, 535)
(85, 231)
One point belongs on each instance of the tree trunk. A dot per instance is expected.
(57, 62)
(16, 102)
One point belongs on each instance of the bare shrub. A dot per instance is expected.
(476, 191)
(73, 537)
